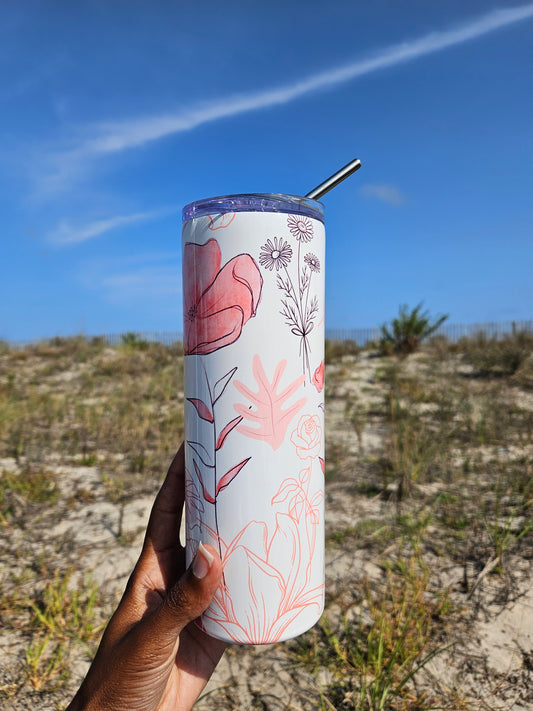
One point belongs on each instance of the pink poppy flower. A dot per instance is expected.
(217, 302)
(318, 377)
(307, 437)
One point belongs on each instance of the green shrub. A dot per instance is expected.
(524, 374)
(493, 356)
(335, 350)
(134, 341)
(408, 330)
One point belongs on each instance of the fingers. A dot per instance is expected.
(189, 597)
(165, 519)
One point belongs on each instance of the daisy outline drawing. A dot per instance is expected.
(300, 227)
(312, 262)
(275, 254)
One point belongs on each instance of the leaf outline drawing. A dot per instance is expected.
(208, 457)
(224, 219)
(269, 415)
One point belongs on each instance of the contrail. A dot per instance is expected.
(119, 136)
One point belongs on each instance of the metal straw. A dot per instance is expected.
(334, 180)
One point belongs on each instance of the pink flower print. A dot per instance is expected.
(217, 302)
(307, 437)
(301, 227)
(273, 601)
(218, 222)
(318, 377)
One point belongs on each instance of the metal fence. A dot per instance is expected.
(166, 338)
(361, 336)
(453, 332)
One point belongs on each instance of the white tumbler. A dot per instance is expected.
(253, 337)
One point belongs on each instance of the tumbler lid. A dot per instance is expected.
(255, 202)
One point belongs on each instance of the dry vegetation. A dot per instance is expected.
(429, 486)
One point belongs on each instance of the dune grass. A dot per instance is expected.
(450, 486)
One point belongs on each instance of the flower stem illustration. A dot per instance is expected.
(299, 308)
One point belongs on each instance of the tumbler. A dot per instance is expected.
(253, 339)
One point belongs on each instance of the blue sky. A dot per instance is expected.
(114, 115)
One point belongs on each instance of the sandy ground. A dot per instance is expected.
(489, 662)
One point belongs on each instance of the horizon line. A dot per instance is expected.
(498, 327)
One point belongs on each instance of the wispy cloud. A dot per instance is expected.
(115, 137)
(385, 193)
(66, 234)
(142, 278)
(119, 136)
(145, 286)
(146, 281)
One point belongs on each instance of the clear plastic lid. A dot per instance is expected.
(255, 202)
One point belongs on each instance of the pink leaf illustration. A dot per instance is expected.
(304, 476)
(218, 222)
(207, 495)
(225, 432)
(230, 475)
(322, 464)
(269, 415)
(296, 506)
(289, 486)
(201, 409)
(317, 498)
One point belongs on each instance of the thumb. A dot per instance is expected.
(191, 595)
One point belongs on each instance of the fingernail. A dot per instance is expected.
(202, 562)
